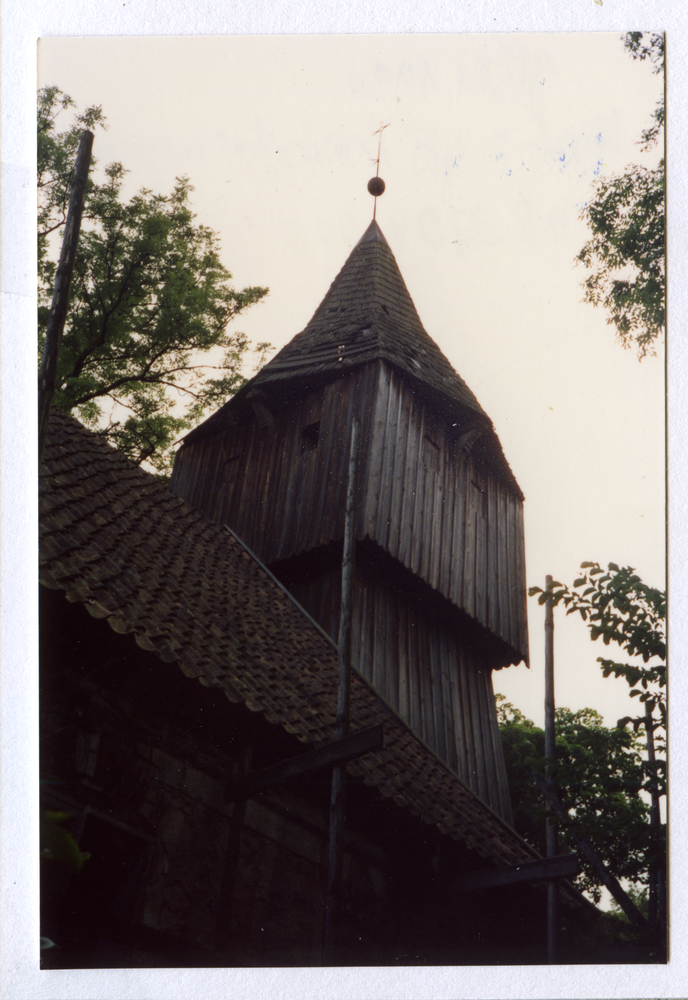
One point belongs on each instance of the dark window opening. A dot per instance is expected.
(309, 437)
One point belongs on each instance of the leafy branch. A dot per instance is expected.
(149, 296)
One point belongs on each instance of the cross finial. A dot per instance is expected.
(378, 132)
(376, 185)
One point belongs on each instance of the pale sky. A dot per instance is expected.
(492, 146)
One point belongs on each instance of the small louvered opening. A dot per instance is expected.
(309, 437)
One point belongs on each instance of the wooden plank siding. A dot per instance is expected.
(422, 496)
(425, 668)
(452, 523)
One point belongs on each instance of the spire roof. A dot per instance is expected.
(368, 314)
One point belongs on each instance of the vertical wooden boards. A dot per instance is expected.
(420, 662)
(450, 505)
(431, 507)
(434, 503)
(403, 493)
(481, 549)
(492, 562)
(371, 472)
(456, 541)
(450, 718)
(423, 496)
(436, 695)
(468, 594)
(491, 740)
(470, 736)
(506, 624)
(283, 497)
(516, 581)
(521, 594)
(393, 471)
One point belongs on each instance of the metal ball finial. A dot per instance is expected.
(376, 186)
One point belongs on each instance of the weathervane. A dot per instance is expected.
(376, 185)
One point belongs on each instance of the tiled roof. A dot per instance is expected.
(368, 315)
(118, 541)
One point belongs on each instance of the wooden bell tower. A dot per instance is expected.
(440, 593)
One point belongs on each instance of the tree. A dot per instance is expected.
(149, 297)
(626, 218)
(619, 608)
(599, 773)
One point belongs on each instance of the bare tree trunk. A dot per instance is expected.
(58, 310)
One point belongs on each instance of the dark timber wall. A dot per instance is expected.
(423, 496)
(440, 598)
(427, 663)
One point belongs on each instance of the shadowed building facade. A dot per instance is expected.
(142, 598)
(440, 595)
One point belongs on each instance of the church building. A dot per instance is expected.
(205, 807)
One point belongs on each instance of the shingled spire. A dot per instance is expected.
(368, 315)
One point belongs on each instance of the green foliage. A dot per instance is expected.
(523, 746)
(56, 153)
(642, 46)
(619, 608)
(626, 218)
(640, 897)
(149, 297)
(57, 844)
(599, 772)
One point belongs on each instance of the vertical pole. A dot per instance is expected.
(47, 375)
(333, 900)
(550, 752)
(655, 904)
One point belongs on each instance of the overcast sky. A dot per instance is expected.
(493, 145)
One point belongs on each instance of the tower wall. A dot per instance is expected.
(425, 496)
(430, 666)
(281, 486)
(429, 499)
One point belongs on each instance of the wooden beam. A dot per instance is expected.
(550, 754)
(47, 375)
(332, 754)
(585, 848)
(542, 870)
